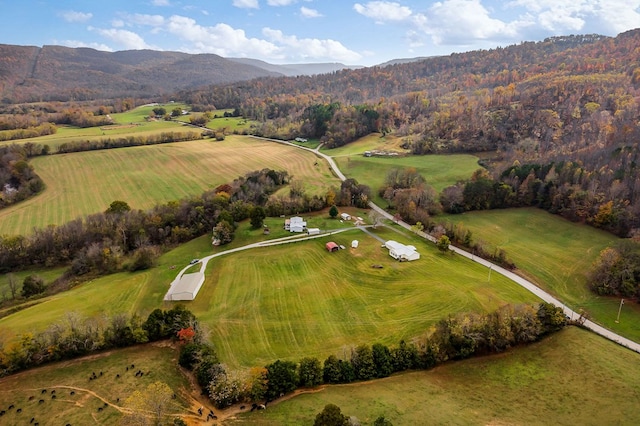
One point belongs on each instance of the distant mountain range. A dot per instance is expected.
(292, 70)
(30, 73)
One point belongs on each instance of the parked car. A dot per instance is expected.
(194, 261)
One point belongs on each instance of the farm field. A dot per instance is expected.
(82, 408)
(559, 380)
(87, 182)
(439, 171)
(125, 292)
(556, 254)
(295, 300)
(374, 141)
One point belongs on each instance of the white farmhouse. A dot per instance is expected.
(401, 252)
(295, 224)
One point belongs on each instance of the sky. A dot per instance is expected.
(304, 31)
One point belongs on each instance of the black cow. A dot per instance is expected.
(19, 410)
(41, 401)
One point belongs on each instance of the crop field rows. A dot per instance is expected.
(83, 183)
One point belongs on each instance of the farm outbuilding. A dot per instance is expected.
(345, 216)
(313, 231)
(185, 288)
(401, 252)
(331, 246)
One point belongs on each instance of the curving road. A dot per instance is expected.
(543, 295)
(634, 346)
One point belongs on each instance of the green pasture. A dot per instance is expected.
(138, 292)
(556, 254)
(310, 143)
(87, 182)
(125, 292)
(48, 275)
(293, 300)
(81, 408)
(139, 114)
(573, 377)
(374, 141)
(299, 300)
(439, 171)
(70, 134)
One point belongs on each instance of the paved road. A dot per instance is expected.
(495, 268)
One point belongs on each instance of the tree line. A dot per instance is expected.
(75, 336)
(566, 104)
(616, 271)
(456, 337)
(100, 243)
(18, 180)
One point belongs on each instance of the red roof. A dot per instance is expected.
(331, 246)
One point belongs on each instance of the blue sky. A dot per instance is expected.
(296, 31)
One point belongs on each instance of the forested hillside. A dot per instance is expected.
(57, 73)
(562, 116)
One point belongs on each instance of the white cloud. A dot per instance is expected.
(117, 23)
(78, 43)
(220, 39)
(311, 48)
(160, 3)
(309, 13)
(147, 20)
(246, 4)
(462, 21)
(73, 16)
(559, 17)
(280, 2)
(125, 38)
(382, 11)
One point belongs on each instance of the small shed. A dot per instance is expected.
(313, 231)
(354, 244)
(331, 246)
(345, 216)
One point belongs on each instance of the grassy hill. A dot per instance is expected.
(80, 401)
(555, 254)
(294, 300)
(573, 377)
(87, 182)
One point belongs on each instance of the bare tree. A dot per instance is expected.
(13, 285)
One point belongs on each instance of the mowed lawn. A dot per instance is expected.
(293, 300)
(557, 255)
(82, 408)
(571, 378)
(296, 300)
(139, 292)
(83, 183)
